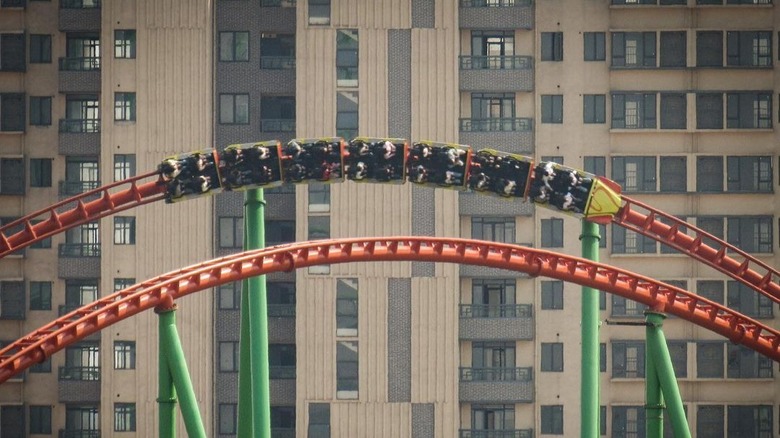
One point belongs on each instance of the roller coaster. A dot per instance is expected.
(389, 161)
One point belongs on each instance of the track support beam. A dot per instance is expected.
(589, 382)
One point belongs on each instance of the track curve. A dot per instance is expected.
(42, 343)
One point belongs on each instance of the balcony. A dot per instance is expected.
(514, 135)
(277, 62)
(496, 322)
(277, 16)
(496, 73)
(79, 260)
(283, 432)
(78, 385)
(79, 373)
(475, 204)
(78, 433)
(496, 14)
(79, 137)
(490, 385)
(281, 372)
(79, 75)
(510, 433)
(277, 125)
(79, 15)
(72, 188)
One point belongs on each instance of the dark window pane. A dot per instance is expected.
(673, 176)
(709, 111)
(709, 49)
(673, 111)
(673, 49)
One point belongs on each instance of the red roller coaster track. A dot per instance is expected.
(42, 343)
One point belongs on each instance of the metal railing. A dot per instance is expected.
(496, 433)
(474, 62)
(496, 125)
(494, 3)
(80, 64)
(496, 374)
(281, 310)
(80, 125)
(79, 4)
(79, 373)
(71, 188)
(277, 125)
(277, 62)
(79, 250)
(275, 3)
(79, 433)
(496, 311)
(281, 372)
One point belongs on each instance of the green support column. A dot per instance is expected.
(253, 371)
(170, 346)
(658, 351)
(589, 383)
(654, 399)
(166, 392)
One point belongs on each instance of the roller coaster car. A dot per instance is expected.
(499, 173)
(439, 164)
(243, 166)
(376, 160)
(190, 175)
(316, 159)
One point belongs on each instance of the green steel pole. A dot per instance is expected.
(245, 366)
(254, 227)
(589, 383)
(654, 399)
(166, 392)
(177, 366)
(656, 346)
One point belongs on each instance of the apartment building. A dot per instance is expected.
(673, 99)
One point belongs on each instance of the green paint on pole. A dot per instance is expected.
(166, 392)
(245, 366)
(654, 399)
(589, 381)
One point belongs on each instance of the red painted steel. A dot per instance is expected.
(695, 243)
(82, 208)
(42, 343)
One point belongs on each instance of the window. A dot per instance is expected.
(552, 46)
(487, 356)
(41, 367)
(635, 173)
(319, 227)
(709, 421)
(490, 50)
(711, 290)
(709, 111)
(492, 417)
(674, 107)
(124, 166)
(492, 298)
(709, 48)
(595, 165)
(124, 230)
(749, 49)
(229, 296)
(628, 421)
(231, 232)
(491, 112)
(678, 350)
(82, 362)
(552, 420)
(281, 360)
(282, 419)
(552, 233)
(82, 114)
(752, 234)
(709, 359)
(40, 295)
(319, 419)
(40, 49)
(347, 382)
(552, 108)
(744, 363)
(12, 300)
(319, 198)
(633, 111)
(709, 174)
(281, 298)
(497, 229)
(79, 293)
(279, 231)
(624, 307)
(124, 43)
(552, 356)
(227, 418)
(81, 174)
(124, 417)
(40, 172)
(12, 52)
(674, 48)
(749, 110)
(124, 355)
(319, 12)
(347, 307)
(277, 51)
(633, 49)
(40, 110)
(233, 46)
(347, 58)
(750, 420)
(673, 174)
(40, 420)
(602, 356)
(12, 112)
(234, 109)
(594, 108)
(630, 242)
(123, 283)
(82, 241)
(746, 301)
(628, 359)
(347, 117)
(749, 173)
(124, 107)
(277, 113)
(228, 356)
(552, 295)
(594, 43)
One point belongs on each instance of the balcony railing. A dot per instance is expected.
(80, 64)
(281, 310)
(79, 433)
(277, 125)
(79, 373)
(80, 125)
(79, 4)
(509, 433)
(493, 3)
(496, 374)
(495, 125)
(70, 188)
(276, 3)
(281, 372)
(79, 250)
(277, 62)
(496, 311)
(470, 62)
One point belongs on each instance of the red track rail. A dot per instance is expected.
(78, 210)
(675, 233)
(42, 343)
